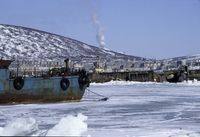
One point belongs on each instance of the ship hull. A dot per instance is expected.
(41, 90)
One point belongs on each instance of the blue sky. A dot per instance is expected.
(148, 28)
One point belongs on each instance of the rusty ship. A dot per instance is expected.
(50, 88)
(179, 75)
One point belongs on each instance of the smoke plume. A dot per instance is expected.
(100, 31)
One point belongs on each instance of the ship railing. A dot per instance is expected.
(47, 73)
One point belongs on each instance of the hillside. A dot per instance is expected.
(22, 42)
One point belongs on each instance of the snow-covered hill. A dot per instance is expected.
(190, 58)
(17, 41)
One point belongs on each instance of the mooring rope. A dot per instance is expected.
(102, 99)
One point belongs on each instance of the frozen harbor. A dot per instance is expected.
(133, 109)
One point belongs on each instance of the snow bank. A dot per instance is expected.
(120, 83)
(69, 126)
(19, 127)
(125, 83)
(190, 83)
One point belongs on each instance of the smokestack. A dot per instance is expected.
(100, 31)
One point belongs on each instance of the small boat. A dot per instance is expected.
(178, 76)
(19, 89)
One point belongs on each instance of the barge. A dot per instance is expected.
(51, 88)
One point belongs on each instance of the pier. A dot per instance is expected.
(140, 76)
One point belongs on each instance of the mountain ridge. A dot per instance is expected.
(25, 42)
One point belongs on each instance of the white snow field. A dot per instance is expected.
(134, 109)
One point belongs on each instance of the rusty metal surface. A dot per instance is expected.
(10, 98)
(39, 89)
(4, 64)
(41, 92)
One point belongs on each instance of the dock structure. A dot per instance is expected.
(142, 76)
(194, 74)
(101, 71)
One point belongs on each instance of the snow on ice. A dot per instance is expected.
(70, 126)
(134, 109)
